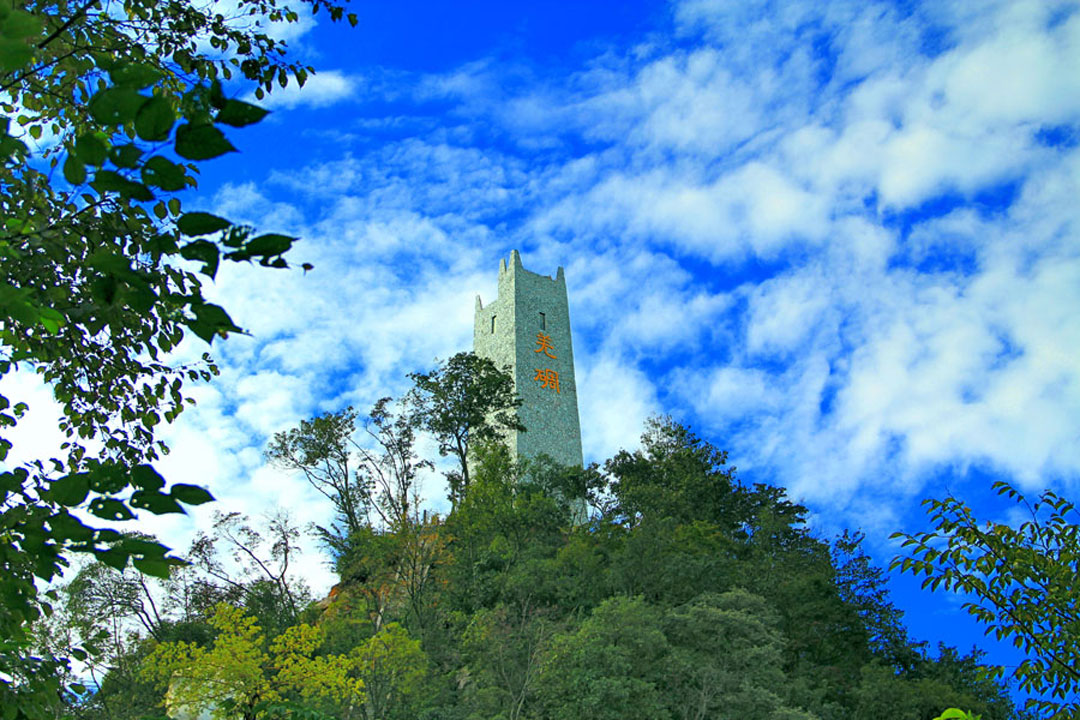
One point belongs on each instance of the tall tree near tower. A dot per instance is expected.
(464, 403)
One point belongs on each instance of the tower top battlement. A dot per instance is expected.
(508, 273)
(526, 331)
(516, 266)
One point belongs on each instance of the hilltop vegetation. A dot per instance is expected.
(687, 594)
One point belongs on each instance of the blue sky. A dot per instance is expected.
(840, 239)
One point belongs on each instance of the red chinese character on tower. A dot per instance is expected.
(544, 341)
(548, 379)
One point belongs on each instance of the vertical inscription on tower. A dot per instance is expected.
(548, 378)
(526, 330)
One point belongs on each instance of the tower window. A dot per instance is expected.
(492, 324)
(543, 321)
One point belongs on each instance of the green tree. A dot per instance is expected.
(957, 714)
(1022, 582)
(971, 685)
(321, 449)
(504, 650)
(240, 673)
(614, 666)
(862, 588)
(504, 532)
(674, 475)
(100, 595)
(466, 402)
(256, 569)
(377, 476)
(112, 611)
(727, 657)
(391, 666)
(921, 696)
(383, 545)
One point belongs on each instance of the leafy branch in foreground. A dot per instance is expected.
(106, 112)
(1022, 582)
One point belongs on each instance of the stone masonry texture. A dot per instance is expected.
(508, 331)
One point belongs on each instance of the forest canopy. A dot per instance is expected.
(686, 594)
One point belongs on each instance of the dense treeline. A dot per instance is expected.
(655, 586)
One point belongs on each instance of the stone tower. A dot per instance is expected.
(527, 331)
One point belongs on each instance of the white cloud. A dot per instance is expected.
(615, 400)
(325, 88)
(37, 435)
(867, 356)
(784, 311)
(739, 218)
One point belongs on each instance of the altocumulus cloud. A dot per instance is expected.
(841, 238)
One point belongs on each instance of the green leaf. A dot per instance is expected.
(113, 558)
(116, 105)
(92, 148)
(201, 142)
(105, 535)
(125, 156)
(134, 75)
(15, 54)
(141, 547)
(116, 266)
(20, 24)
(104, 60)
(65, 526)
(108, 478)
(70, 490)
(154, 120)
(110, 509)
(205, 251)
(12, 481)
(109, 262)
(211, 321)
(164, 173)
(238, 113)
(74, 170)
(109, 181)
(269, 244)
(16, 304)
(163, 244)
(200, 223)
(156, 502)
(8, 145)
(156, 567)
(953, 714)
(190, 494)
(51, 320)
(216, 96)
(146, 477)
